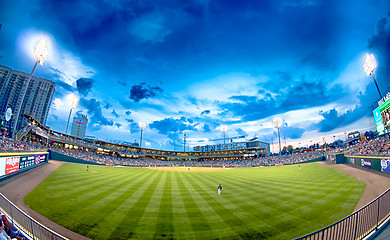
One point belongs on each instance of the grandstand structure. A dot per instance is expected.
(38, 133)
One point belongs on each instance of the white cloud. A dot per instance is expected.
(225, 86)
(70, 68)
(353, 77)
(63, 63)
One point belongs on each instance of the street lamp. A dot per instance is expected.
(369, 67)
(224, 129)
(142, 125)
(278, 123)
(73, 104)
(40, 53)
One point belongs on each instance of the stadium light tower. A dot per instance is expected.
(142, 125)
(369, 67)
(40, 53)
(73, 104)
(278, 123)
(224, 129)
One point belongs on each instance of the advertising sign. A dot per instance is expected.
(2, 166)
(380, 127)
(26, 161)
(366, 163)
(11, 164)
(40, 159)
(385, 165)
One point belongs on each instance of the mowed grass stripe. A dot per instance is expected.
(105, 203)
(121, 223)
(164, 226)
(147, 224)
(53, 195)
(150, 204)
(81, 185)
(239, 215)
(204, 222)
(243, 202)
(286, 205)
(81, 203)
(182, 224)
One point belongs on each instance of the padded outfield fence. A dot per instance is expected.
(359, 224)
(27, 225)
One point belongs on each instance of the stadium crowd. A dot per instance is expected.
(9, 145)
(379, 146)
(142, 161)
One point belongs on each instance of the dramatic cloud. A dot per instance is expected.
(143, 91)
(133, 126)
(333, 119)
(84, 85)
(303, 94)
(114, 114)
(205, 112)
(206, 128)
(118, 125)
(291, 132)
(172, 125)
(197, 64)
(241, 132)
(95, 112)
(380, 43)
(107, 106)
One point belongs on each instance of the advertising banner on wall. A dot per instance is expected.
(2, 166)
(40, 159)
(12, 164)
(26, 161)
(385, 165)
(366, 163)
(377, 164)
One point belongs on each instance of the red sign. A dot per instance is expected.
(79, 122)
(11, 164)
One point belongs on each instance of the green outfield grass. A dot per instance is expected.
(141, 203)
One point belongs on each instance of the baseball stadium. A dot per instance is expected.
(195, 120)
(70, 188)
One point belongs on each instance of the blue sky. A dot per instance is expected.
(194, 66)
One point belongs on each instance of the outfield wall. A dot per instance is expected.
(53, 155)
(381, 164)
(336, 158)
(14, 163)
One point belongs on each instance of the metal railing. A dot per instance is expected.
(359, 224)
(27, 225)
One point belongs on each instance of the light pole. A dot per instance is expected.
(142, 125)
(224, 129)
(278, 123)
(73, 104)
(40, 53)
(185, 138)
(369, 67)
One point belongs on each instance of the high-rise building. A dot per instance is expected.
(79, 126)
(24, 94)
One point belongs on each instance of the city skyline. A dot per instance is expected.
(200, 65)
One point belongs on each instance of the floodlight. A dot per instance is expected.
(41, 51)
